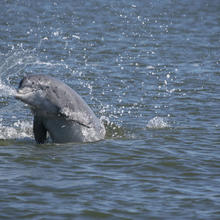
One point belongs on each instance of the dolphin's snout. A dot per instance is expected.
(19, 95)
(22, 94)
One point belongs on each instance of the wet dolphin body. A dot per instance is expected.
(58, 110)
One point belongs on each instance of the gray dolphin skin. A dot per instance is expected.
(58, 110)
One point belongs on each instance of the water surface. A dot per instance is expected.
(151, 70)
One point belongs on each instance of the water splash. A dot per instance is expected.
(18, 130)
(112, 129)
(12, 66)
(16, 61)
(158, 123)
(5, 90)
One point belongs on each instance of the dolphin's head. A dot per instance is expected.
(35, 90)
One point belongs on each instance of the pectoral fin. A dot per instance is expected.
(40, 132)
(76, 117)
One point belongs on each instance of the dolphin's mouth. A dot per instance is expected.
(24, 95)
(21, 94)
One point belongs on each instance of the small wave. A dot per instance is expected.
(158, 123)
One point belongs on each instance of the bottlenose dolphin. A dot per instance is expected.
(58, 110)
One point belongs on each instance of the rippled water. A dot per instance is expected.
(151, 70)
